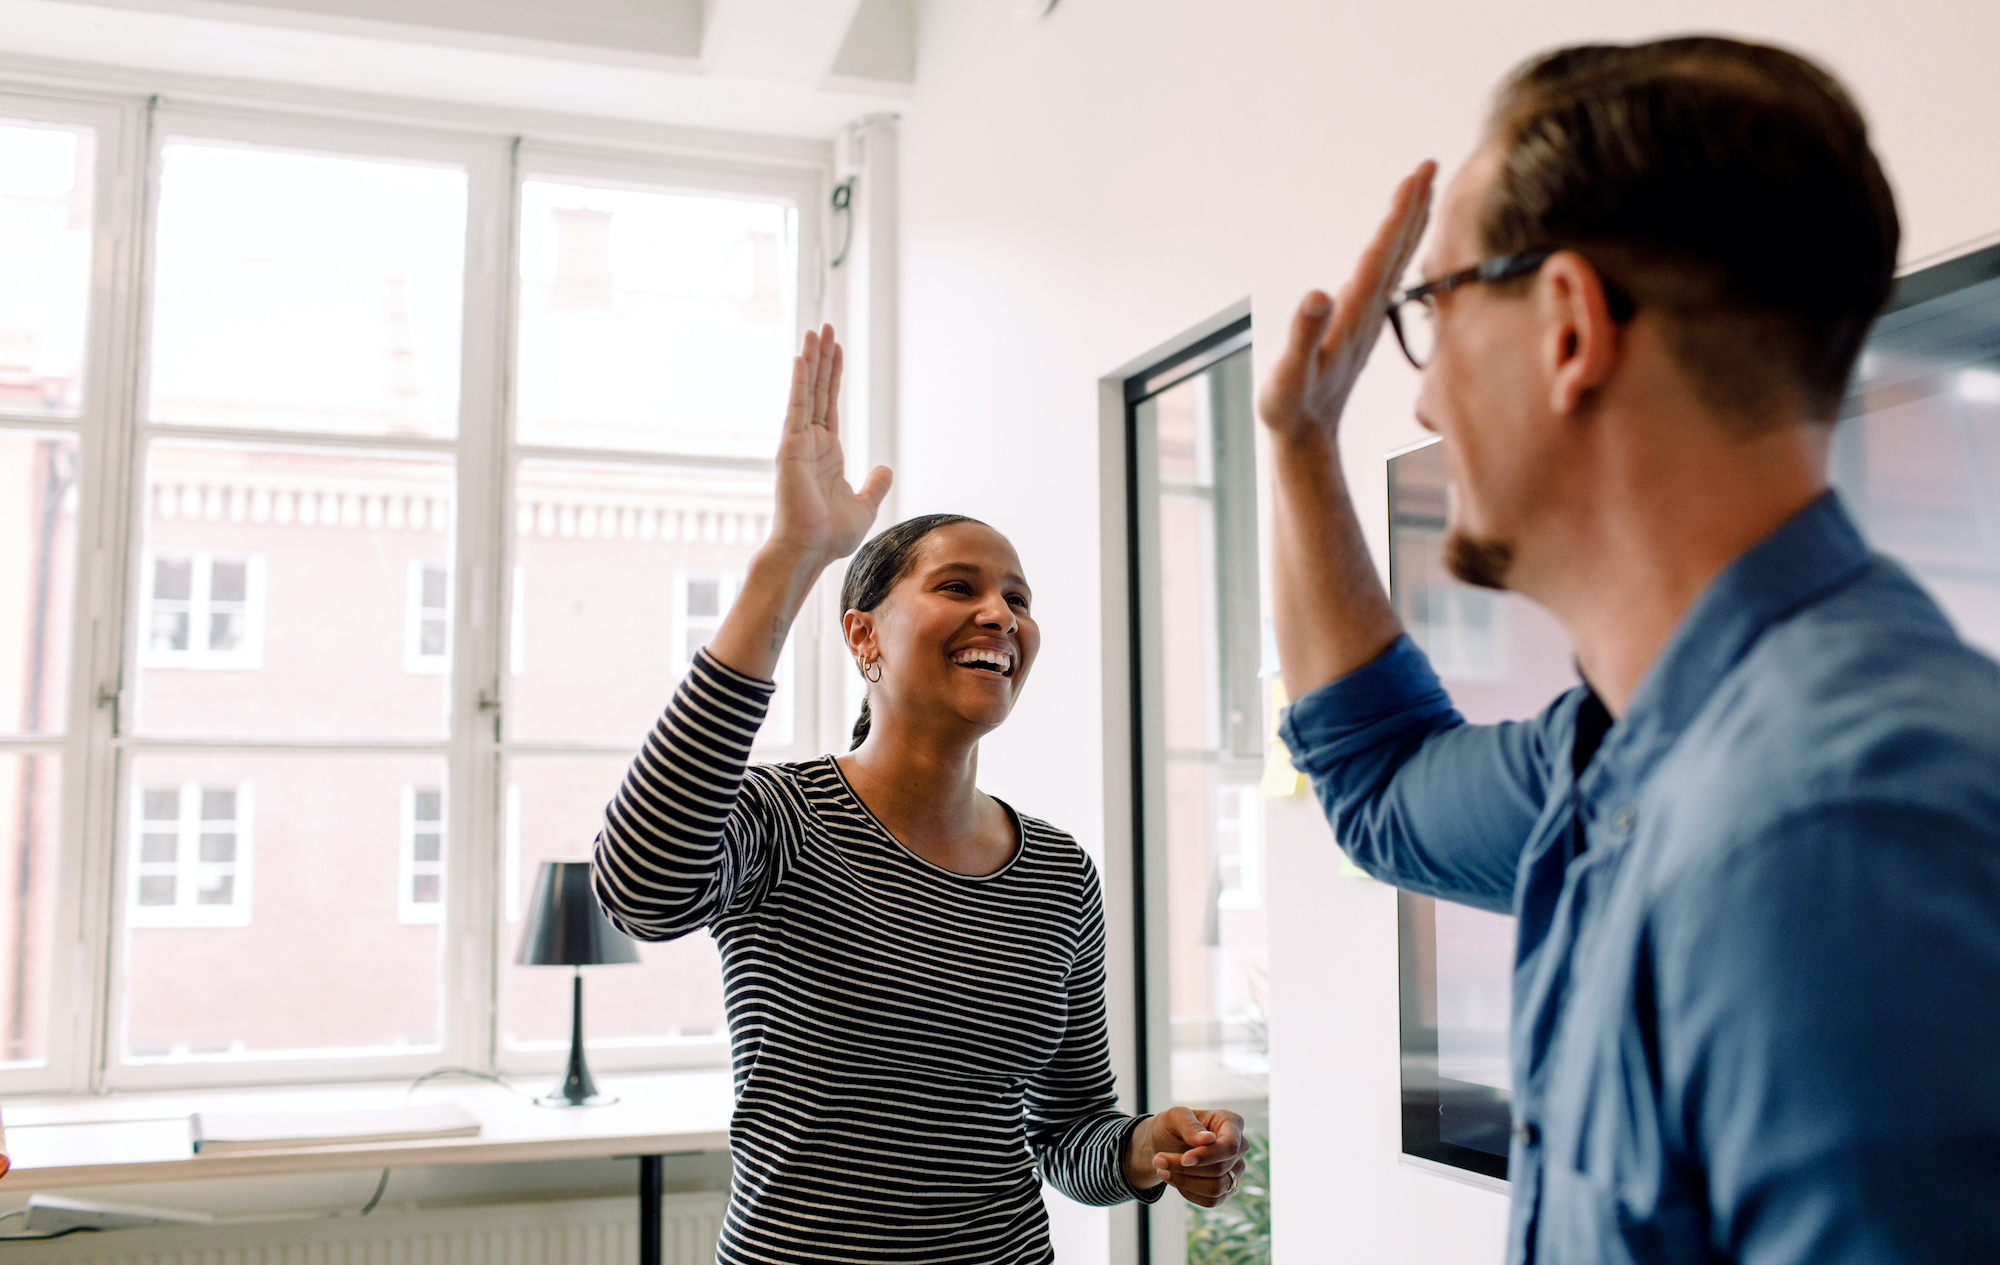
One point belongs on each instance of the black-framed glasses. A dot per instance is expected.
(1413, 313)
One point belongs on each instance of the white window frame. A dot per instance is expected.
(415, 613)
(247, 657)
(188, 868)
(85, 1051)
(409, 910)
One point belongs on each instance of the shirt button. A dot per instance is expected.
(1526, 1133)
(1621, 821)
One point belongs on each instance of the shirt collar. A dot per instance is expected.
(1817, 550)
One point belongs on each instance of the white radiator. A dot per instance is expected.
(569, 1232)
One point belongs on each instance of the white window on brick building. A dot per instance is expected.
(203, 610)
(427, 621)
(701, 599)
(191, 849)
(420, 876)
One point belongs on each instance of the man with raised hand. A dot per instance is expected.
(1755, 859)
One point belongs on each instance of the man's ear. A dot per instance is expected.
(1581, 344)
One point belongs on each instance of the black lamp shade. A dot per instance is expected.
(565, 926)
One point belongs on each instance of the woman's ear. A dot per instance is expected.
(1580, 342)
(858, 629)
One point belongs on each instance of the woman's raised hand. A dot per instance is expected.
(819, 515)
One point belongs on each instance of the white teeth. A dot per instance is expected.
(996, 660)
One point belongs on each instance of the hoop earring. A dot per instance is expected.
(876, 666)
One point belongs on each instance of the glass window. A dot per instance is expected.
(306, 292)
(30, 837)
(301, 580)
(203, 610)
(420, 887)
(191, 860)
(427, 628)
(38, 504)
(47, 200)
(670, 1001)
(1201, 763)
(322, 961)
(661, 322)
(314, 364)
(609, 650)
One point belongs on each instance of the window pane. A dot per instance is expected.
(173, 579)
(1207, 820)
(290, 943)
(616, 566)
(295, 567)
(46, 193)
(228, 580)
(30, 830)
(654, 321)
(37, 577)
(672, 997)
(307, 292)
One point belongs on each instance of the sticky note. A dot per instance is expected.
(1281, 780)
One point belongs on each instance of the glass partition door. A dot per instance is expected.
(1200, 729)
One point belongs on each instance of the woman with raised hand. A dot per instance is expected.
(914, 972)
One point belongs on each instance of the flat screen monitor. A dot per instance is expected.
(1915, 457)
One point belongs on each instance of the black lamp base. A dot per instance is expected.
(576, 1089)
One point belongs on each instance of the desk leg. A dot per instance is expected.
(649, 1210)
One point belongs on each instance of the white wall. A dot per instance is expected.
(1080, 188)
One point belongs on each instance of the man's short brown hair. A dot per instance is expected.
(1727, 186)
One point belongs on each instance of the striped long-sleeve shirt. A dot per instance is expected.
(912, 1046)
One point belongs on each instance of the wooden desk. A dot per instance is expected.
(125, 1139)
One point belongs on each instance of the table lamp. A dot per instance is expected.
(566, 928)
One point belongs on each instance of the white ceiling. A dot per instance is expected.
(782, 67)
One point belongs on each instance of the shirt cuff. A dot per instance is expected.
(715, 667)
(1357, 711)
(1151, 1195)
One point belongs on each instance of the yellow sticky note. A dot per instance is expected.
(1280, 780)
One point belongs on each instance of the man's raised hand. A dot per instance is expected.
(819, 515)
(1331, 338)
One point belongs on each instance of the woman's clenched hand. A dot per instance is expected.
(1199, 1153)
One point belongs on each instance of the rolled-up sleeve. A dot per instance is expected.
(1416, 796)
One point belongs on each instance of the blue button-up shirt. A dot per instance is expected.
(1757, 975)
